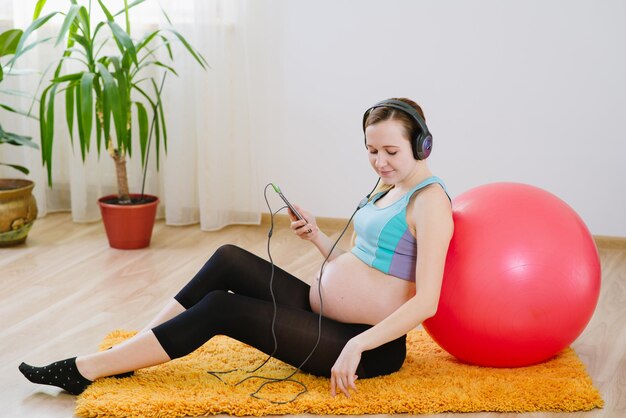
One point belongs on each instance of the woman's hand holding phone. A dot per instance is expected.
(304, 226)
(302, 223)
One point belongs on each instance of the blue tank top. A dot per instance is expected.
(383, 238)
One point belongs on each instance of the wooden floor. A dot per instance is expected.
(63, 290)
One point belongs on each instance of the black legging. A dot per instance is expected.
(230, 295)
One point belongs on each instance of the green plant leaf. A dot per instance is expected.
(19, 140)
(68, 77)
(99, 26)
(198, 57)
(142, 118)
(150, 53)
(83, 17)
(66, 55)
(30, 29)
(166, 42)
(69, 109)
(15, 139)
(98, 127)
(125, 111)
(124, 39)
(46, 127)
(77, 59)
(116, 63)
(99, 48)
(106, 117)
(125, 101)
(159, 104)
(106, 11)
(160, 64)
(127, 17)
(13, 110)
(86, 111)
(82, 41)
(17, 167)
(157, 134)
(34, 44)
(112, 101)
(38, 8)
(67, 22)
(131, 5)
(145, 95)
(9, 41)
(42, 125)
(71, 41)
(166, 16)
(79, 121)
(9, 108)
(146, 40)
(50, 126)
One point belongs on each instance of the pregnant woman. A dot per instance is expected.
(385, 286)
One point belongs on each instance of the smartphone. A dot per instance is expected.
(289, 205)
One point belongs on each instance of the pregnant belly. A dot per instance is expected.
(354, 292)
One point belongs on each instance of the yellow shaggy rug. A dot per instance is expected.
(431, 381)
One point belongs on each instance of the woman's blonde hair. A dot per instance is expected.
(411, 129)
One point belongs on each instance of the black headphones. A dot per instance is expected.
(422, 144)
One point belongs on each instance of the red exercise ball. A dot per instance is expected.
(522, 277)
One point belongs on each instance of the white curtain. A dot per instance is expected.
(208, 175)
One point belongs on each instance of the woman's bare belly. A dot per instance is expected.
(354, 292)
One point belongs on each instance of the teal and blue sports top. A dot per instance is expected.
(383, 238)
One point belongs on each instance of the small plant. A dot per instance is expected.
(110, 90)
(8, 44)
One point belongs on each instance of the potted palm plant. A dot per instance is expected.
(108, 93)
(18, 208)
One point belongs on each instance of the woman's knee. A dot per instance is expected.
(231, 261)
(228, 252)
(215, 302)
(212, 276)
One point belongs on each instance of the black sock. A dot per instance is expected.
(63, 374)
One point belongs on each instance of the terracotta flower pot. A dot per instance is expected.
(128, 226)
(18, 210)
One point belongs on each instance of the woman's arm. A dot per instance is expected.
(434, 227)
(316, 236)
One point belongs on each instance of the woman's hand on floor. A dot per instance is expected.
(343, 373)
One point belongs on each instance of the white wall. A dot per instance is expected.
(528, 91)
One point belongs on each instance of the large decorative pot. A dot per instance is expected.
(18, 210)
(128, 226)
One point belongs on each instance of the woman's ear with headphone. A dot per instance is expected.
(422, 143)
